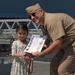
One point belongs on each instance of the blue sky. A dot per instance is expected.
(16, 8)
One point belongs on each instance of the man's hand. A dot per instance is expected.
(36, 54)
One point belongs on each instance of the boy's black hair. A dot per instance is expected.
(22, 26)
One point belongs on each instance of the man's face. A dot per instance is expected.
(36, 17)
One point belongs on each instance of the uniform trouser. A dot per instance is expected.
(63, 62)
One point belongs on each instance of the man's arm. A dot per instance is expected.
(56, 45)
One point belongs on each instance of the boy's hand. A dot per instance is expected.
(23, 55)
(28, 56)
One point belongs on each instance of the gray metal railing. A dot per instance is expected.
(7, 28)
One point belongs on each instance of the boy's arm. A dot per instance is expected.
(19, 55)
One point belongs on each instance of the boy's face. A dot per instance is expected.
(21, 34)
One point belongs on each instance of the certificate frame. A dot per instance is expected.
(35, 44)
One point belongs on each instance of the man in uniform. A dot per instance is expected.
(60, 29)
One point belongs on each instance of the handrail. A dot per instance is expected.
(14, 20)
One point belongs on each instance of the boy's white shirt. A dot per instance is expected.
(35, 44)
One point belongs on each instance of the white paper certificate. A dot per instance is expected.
(35, 44)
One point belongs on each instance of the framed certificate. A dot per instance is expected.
(35, 44)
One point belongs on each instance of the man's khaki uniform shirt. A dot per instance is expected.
(59, 25)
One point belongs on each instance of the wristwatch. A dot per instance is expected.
(41, 54)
